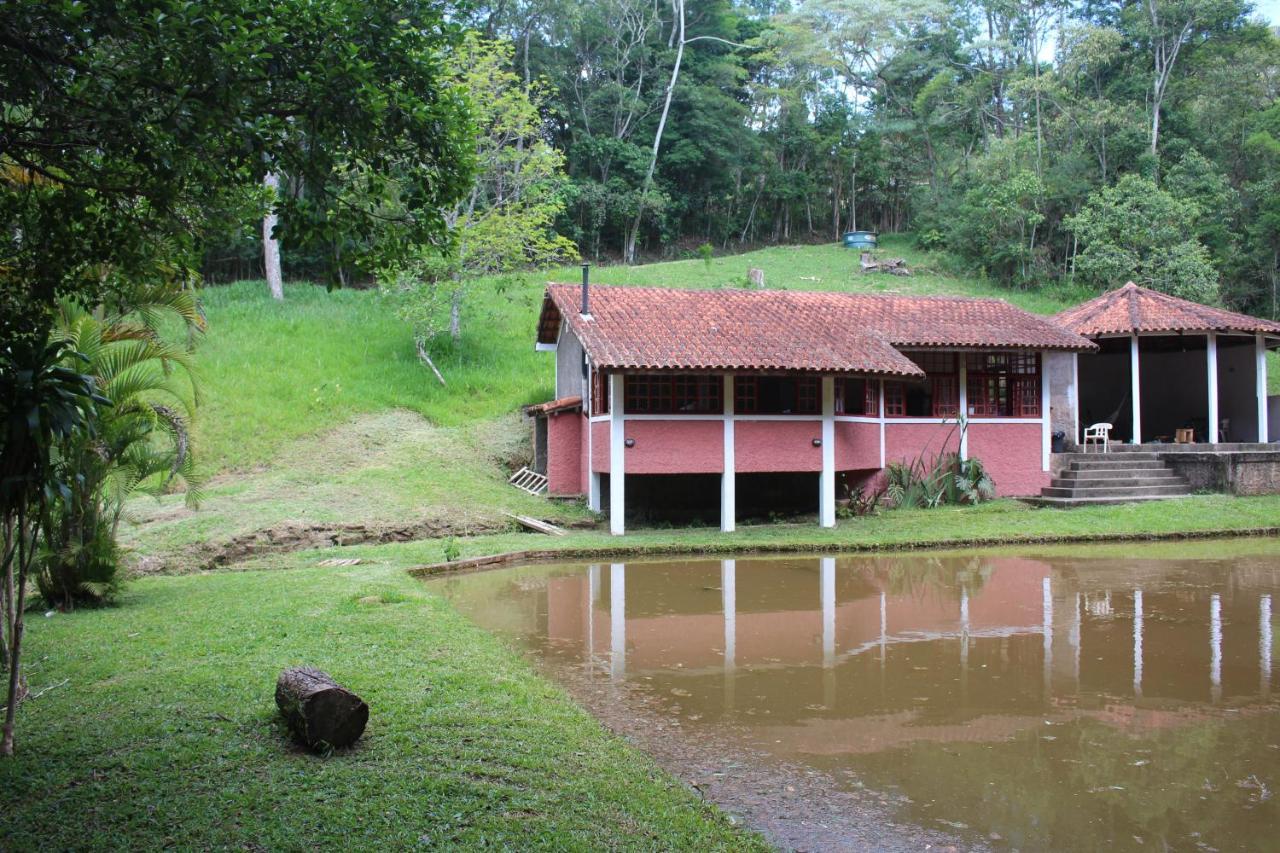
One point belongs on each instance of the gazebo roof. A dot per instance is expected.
(1132, 309)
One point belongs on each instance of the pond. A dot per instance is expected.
(1064, 698)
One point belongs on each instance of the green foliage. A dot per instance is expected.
(133, 132)
(504, 225)
(142, 442)
(1137, 231)
(706, 252)
(940, 480)
(451, 549)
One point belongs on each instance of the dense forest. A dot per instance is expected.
(1034, 140)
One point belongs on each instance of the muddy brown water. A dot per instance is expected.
(1060, 698)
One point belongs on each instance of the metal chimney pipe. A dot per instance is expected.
(586, 288)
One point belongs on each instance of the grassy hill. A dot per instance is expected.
(320, 426)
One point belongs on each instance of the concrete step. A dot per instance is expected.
(1116, 465)
(1068, 503)
(1170, 479)
(1179, 488)
(1116, 474)
(1131, 454)
(1201, 447)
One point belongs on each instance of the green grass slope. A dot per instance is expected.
(160, 731)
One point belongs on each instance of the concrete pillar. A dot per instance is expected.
(880, 409)
(1137, 642)
(1135, 389)
(618, 620)
(729, 479)
(962, 380)
(827, 482)
(593, 478)
(1215, 647)
(1046, 426)
(1260, 379)
(828, 596)
(617, 457)
(1075, 398)
(1211, 347)
(729, 598)
(1264, 645)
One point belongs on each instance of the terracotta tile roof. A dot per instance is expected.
(650, 328)
(1131, 309)
(564, 404)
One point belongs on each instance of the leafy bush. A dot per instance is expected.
(944, 479)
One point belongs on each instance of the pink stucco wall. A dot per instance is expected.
(564, 454)
(584, 460)
(761, 446)
(857, 446)
(1012, 455)
(675, 447)
(906, 441)
(600, 447)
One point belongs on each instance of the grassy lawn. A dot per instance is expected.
(997, 522)
(161, 730)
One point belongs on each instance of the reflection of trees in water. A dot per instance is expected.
(918, 576)
(1087, 784)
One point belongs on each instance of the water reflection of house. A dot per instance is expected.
(865, 636)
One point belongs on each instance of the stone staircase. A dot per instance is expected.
(1090, 479)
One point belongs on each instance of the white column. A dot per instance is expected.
(1137, 642)
(1046, 427)
(880, 409)
(1264, 644)
(593, 589)
(1046, 607)
(618, 619)
(962, 380)
(1075, 398)
(828, 579)
(884, 625)
(617, 457)
(728, 480)
(593, 478)
(1260, 377)
(1135, 390)
(1215, 646)
(729, 598)
(827, 482)
(1212, 369)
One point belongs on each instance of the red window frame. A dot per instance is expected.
(673, 394)
(895, 400)
(1004, 385)
(863, 394)
(807, 400)
(599, 392)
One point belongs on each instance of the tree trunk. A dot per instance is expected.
(629, 250)
(270, 245)
(320, 711)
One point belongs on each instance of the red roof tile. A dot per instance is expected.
(1132, 309)
(564, 404)
(650, 328)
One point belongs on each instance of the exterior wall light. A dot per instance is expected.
(817, 442)
(630, 442)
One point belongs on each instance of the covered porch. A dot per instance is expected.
(1171, 371)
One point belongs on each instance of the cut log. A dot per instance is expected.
(320, 712)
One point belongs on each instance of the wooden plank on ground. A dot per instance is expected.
(537, 525)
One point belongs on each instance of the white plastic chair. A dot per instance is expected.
(1099, 433)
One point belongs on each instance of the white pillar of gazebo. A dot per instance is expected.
(827, 480)
(1135, 390)
(1260, 374)
(728, 479)
(617, 457)
(1211, 348)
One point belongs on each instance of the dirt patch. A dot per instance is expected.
(295, 536)
(795, 808)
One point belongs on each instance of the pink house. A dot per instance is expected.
(720, 399)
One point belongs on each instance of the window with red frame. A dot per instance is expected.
(777, 395)
(938, 396)
(673, 394)
(895, 400)
(858, 397)
(1004, 385)
(599, 393)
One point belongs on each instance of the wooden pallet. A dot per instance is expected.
(529, 481)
